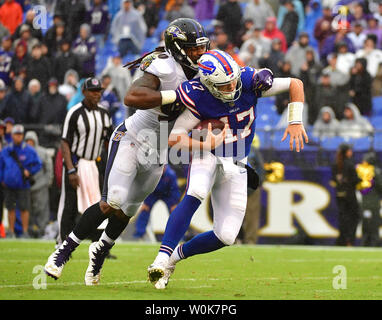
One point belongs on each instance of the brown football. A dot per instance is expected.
(216, 124)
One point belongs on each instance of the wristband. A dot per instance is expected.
(73, 170)
(295, 112)
(168, 96)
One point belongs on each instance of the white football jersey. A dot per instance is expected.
(171, 75)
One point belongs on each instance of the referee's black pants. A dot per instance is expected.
(68, 214)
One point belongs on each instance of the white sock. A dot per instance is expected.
(161, 258)
(105, 237)
(175, 257)
(74, 238)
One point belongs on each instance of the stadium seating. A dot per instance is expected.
(162, 25)
(332, 143)
(362, 144)
(377, 106)
(376, 121)
(149, 45)
(377, 142)
(276, 142)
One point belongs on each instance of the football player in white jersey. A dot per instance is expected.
(136, 158)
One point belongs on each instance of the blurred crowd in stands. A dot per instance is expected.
(48, 48)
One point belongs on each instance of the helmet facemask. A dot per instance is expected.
(213, 76)
(185, 33)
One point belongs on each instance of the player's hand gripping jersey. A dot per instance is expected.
(239, 115)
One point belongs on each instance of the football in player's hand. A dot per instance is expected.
(216, 124)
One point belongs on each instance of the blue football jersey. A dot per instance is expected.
(240, 114)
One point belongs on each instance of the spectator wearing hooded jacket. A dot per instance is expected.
(354, 125)
(258, 11)
(128, 29)
(18, 103)
(326, 124)
(51, 108)
(360, 87)
(18, 163)
(11, 15)
(290, 22)
(39, 214)
(271, 31)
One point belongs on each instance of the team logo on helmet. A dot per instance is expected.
(176, 33)
(207, 67)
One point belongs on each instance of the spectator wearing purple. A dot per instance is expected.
(340, 36)
(322, 28)
(358, 14)
(6, 55)
(98, 17)
(204, 9)
(85, 47)
(374, 28)
(358, 36)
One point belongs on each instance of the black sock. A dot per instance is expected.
(115, 227)
(89, 221)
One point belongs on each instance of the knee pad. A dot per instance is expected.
(227, 237)
(116, 196)
(199, 193)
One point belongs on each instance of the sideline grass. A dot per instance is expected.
(232, 273)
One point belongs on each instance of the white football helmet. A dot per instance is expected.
(218, 68)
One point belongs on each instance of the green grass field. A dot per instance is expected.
(232, 273)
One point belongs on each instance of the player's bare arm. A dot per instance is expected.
(295, 127)
(74, 180)
(143, 93)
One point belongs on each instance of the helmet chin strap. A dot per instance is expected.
(193, 66)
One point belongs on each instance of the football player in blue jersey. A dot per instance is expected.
(228, 93)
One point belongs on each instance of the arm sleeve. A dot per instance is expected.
(187, 97)
(280, 85)
(185, 123)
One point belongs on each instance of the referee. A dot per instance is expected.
(86, 128)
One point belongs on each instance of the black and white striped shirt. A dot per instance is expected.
(85, 130)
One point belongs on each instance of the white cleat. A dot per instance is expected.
(162, 282)
(59, 257)
(97, 254)
(155, 272)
